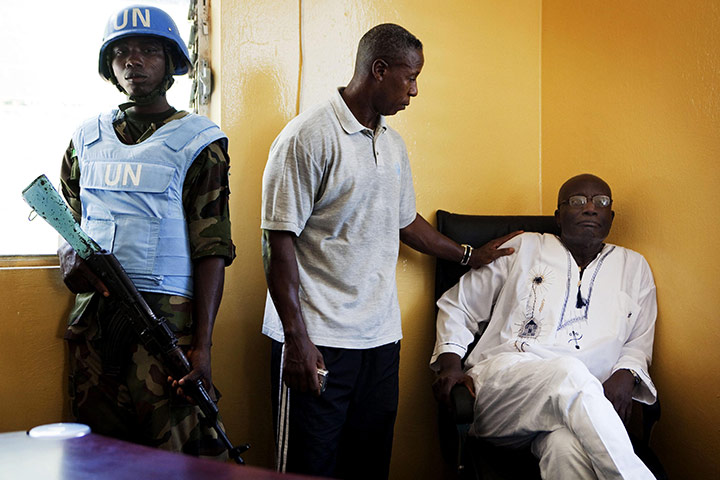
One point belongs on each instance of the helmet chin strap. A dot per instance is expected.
(139, 100)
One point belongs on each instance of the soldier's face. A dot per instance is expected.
(138, 64)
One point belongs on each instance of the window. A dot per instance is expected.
(49, 85)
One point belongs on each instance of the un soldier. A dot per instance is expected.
(150, 184)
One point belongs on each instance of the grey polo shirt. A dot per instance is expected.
(345, 192)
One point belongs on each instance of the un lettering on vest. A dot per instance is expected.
(136, 15)
(115, 171)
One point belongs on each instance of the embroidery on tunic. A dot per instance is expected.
(584, 312)
(575, 338)
(539, 281)
(530, 329)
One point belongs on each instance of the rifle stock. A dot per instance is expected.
(47, 202)
(153, 332)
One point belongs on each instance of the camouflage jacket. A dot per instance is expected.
(205, 200)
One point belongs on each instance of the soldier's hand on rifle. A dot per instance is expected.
(199, 358)
(76, 274)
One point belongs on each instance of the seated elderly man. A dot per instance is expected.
(568, 334)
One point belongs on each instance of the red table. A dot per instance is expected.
(97, 457)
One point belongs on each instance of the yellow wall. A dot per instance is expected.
(33, 356)
(630, 92)
(257, 48)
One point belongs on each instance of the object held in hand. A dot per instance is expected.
(322, 378)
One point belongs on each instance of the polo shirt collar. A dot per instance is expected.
(346, 118)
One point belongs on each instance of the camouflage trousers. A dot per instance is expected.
(135, 402)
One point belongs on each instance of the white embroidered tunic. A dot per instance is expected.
(537, 301)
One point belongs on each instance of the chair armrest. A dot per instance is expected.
(650, 416)
(454, 423)
(462, 404)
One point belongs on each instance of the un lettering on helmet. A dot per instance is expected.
(137, 14)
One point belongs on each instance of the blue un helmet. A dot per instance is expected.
(137, 20)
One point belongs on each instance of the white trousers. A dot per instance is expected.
(559, 406)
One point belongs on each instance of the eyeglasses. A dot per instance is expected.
(600, 201)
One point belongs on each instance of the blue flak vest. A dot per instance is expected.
(131, 197)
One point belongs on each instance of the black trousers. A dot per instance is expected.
(347, 432)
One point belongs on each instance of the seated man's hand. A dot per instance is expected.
(76, 274)
(450, 374)
(618, 389)
(491, 251)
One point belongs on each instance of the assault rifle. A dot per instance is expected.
(153, 332)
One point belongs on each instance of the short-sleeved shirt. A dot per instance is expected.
(345, 191)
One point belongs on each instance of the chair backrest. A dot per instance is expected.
(477, 230)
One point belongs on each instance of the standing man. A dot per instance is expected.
(150, 184)
(337, 199)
